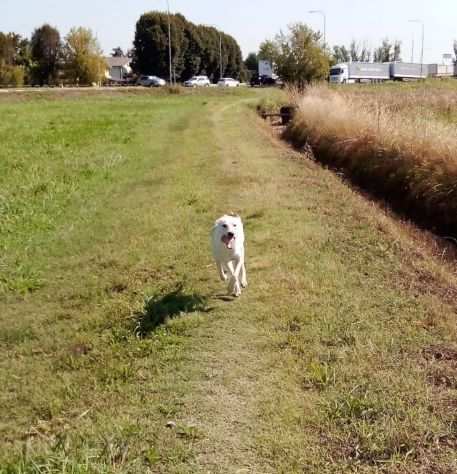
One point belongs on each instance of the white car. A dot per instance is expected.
(228, 82)
(198, 81)
(151, 81)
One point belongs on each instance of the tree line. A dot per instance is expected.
(387, 51)
(46, 59)
(195, 49)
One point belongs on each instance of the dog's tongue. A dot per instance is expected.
(227, 241)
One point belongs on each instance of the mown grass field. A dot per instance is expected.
(340, 356)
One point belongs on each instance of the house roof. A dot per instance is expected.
(118, 61)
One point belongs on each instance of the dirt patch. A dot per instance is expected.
(79, 350)
(442, 379)
(117, 288)
(440, 353)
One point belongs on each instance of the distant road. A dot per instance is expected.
(64, 89)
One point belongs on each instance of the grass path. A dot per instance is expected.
(329, 362)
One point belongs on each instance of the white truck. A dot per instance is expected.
(265, 68)
(349, 73)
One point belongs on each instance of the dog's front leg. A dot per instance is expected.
(243, 277)
(220, 269)
(234, 286)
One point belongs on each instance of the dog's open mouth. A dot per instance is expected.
(228, 240)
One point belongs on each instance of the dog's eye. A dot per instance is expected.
(234, 225)
(224, 226)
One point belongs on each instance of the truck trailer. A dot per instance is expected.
(442, 70)
(348, 73)
(402, 71)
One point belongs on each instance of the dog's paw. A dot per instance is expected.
(244, 283)
(223, 277)
(234, 288)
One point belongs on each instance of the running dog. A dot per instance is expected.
(227, 240)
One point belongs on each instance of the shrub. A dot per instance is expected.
(11, 75)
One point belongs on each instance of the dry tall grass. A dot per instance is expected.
(394, 144)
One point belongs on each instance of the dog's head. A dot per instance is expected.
(228, 229)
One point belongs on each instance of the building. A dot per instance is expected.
(119, 68)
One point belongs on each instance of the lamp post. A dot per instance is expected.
(422, 47)
(220, 48)
(220, 54)
(321, 12)
(169, 43)
(412, 49)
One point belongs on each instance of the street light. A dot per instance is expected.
(220, 54)
(422, 48)
(321, 12)
(220, 47)
(169, 42)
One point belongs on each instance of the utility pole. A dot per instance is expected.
(412, 49)
(169, 43)
(321, 12)
(220, 53)
(423, 39)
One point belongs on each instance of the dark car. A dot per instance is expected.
(260, 81)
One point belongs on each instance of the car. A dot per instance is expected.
(228, 82)
(198, 81)
(258, 80)
(151, 81)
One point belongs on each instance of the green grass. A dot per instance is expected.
(113, 322)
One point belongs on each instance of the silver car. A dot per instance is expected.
(198, 81)
(228, 82)
(151, 81)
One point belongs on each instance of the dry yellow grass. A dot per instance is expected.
(399, 143)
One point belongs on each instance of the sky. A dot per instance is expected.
(252, 21)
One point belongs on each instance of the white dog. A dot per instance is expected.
(228, 251)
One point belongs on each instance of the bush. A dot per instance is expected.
(12, 76)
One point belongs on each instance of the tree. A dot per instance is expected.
(14, 58)
(387, 52)
(83, 57)
(117, 52)
(45, 53)
(252, 62)
(298, 55)
(195, 48)
(341, 54)
(193, 53)
(151, 45)
(268, 51)
(356, 52)
(397, 51)
(14, 50)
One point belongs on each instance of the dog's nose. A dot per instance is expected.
(230, 235)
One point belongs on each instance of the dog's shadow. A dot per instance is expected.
(160, 308)
(224, 297)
